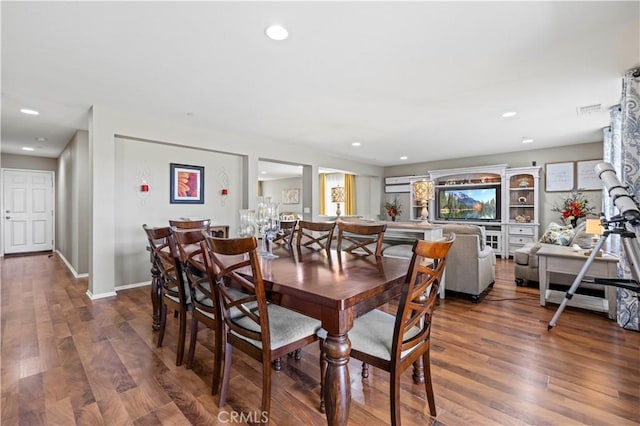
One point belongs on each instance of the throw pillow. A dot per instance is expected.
(557, 234)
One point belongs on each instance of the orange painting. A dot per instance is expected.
(187, 184)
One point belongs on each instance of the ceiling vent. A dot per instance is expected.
(589, 109)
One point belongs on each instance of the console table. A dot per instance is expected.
(566, 260)
(424, 231)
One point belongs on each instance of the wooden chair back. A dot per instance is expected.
(191, 254)
(193, 249)
(191, 224)
(174, 293)
(287, 231)
(164, 249)
(241, 295)
(232, 261)
(418, 299)
(361, 238)
(314, 235)
(412, 325)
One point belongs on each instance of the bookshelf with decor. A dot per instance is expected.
(522, 206)
(471, 195)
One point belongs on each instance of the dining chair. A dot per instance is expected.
(393, 343)
(361, 238)
(175, 292)
(202, 296)
(287, 231)
(263, 331)
(312, 234)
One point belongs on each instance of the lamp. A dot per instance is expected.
(423, 192)
(337, 196)
(595, 228)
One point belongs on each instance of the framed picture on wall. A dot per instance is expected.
(187, 184)
(586, 176)
(559, 176)
(291, 196)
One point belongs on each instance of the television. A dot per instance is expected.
(478, 203)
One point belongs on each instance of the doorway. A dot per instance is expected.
(28, 211)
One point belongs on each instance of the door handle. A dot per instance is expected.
(7, 217)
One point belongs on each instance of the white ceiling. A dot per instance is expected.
(428, 80)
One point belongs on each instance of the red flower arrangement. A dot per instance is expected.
(574, 207)
(393, 209)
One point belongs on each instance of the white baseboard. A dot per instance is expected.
(101, 295)
(133, 285)
(69, 267)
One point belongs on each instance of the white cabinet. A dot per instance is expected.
(503, 199)
(523, 204)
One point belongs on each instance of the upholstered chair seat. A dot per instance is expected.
(399, 250)
(372, 334)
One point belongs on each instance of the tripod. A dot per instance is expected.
(631, 249)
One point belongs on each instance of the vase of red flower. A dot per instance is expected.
(393, 209)
(574, 207)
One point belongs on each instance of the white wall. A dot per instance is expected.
(72, 208)
(106, 125)
(26, 162)
(273, 188)
(135, 160)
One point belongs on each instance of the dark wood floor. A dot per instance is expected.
(67, 360)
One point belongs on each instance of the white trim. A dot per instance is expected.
(133, 285)
(69, 266)
(92, 296)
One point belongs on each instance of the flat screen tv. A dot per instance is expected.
(472, 204)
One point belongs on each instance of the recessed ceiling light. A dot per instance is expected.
(29, 111)
(355, 144)
(404, 157)
(509, 114)
(41, 139)
(26, 148)
(527, 140)
(276, 32)
(263, 172)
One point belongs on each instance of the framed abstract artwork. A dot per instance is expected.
(187, 184)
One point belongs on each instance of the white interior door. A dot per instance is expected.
(28, 211)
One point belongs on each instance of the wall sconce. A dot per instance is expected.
(423, 192)
(337, 196)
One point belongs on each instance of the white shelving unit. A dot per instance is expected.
(523, 205)
(475, 177)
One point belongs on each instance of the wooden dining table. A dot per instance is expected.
(334, 287)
